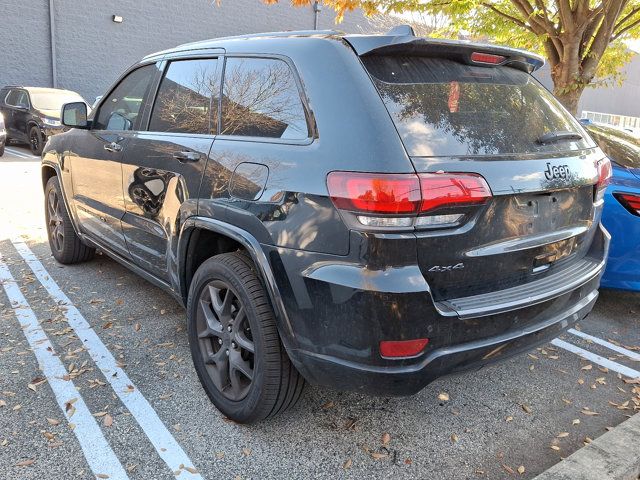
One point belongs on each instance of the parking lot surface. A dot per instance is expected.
(97, 382)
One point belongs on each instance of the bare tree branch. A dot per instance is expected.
(517, 21)
(626, 29)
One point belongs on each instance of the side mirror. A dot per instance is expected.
(74, 115)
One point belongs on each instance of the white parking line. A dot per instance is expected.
(161, 439)
(597, 359)
(604, 343)
(18, 153)
(100, 457)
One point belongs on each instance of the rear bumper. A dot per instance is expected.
(338, 309)
(401, 380)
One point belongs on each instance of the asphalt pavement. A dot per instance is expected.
(96, 381)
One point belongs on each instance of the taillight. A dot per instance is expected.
(629, 201)
(604, 177)
(406, 200)
(450, 189)
(479, 57)
(374, 193)
(402, 348)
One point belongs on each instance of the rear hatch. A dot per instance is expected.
(491, 118)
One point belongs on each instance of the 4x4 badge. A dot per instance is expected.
(447, 268)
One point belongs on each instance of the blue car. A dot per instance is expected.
(621, 215)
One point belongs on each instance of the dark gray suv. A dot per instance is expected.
(362, 212)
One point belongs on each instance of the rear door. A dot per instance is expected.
(163, 166)
(17, 102)
(499, 123)
(96, 158)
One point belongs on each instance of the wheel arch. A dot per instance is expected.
(194, 226)
(48, 171)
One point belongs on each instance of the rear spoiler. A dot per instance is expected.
(459, 50)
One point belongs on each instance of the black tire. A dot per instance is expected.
(36, 143)
(275, 384)
(1, 149)
(66, 246)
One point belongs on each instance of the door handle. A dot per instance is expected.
(113, 147)
(187, 156)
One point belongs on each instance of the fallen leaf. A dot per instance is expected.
(102, 475)
(347, 464)
(379, 456)
(53, 421)
(587, 367)
(108, 420)
(509, 418)
(526, 408)
(634, 381)
(386, 438)
(555, 447)
(589, 412)
(32, 387)
(521, 469)
(137, 327)
(575, 422)
(562, 435)
(327, 405)
(443, 397)
(454, 438)
(191, 470)
(25, 463)
(508, 469)
(246, 452)
(408, 461)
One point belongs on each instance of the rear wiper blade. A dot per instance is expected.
(559, 135)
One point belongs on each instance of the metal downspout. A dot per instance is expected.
(316, 11)
(52, 41)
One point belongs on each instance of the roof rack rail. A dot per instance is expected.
(402, 30)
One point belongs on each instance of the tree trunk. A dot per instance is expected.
(567, 82)
(568, 98)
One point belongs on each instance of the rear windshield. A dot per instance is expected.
(621, 147)
(444, 108)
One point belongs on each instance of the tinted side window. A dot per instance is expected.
(187, 100)
(17, 98)
(122, 110)
(261, 99)
(621, 147)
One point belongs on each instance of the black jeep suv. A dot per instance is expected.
(32, 114)
(361, 212)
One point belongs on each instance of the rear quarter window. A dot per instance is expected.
(444, 108)
(260, 98)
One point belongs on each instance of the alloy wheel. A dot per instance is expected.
(225, 340)
(55, 220)
(34, 140)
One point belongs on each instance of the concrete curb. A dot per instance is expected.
(612, 456)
